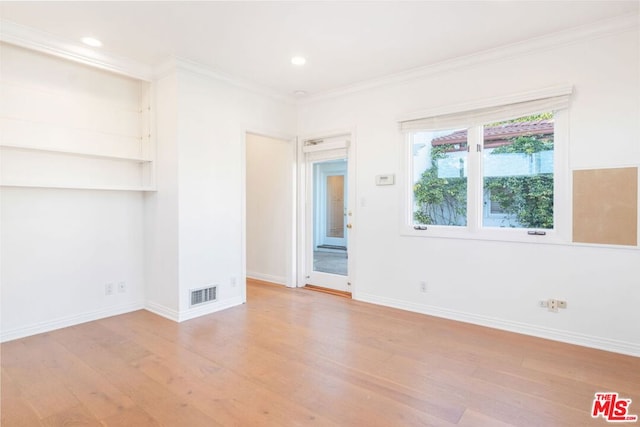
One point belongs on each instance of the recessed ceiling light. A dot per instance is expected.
(93, 42)
(298, 60)
(300, 93)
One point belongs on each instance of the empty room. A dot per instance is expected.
(332, 213)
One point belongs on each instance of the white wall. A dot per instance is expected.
(59, 247)
(499, 283)
(212, 119)
(161, 207)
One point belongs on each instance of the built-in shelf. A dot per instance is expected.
(79, 187)
(76, 153)
(76, 136)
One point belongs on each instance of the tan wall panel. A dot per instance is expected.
(605, 206)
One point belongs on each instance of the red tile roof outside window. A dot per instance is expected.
(496, 136)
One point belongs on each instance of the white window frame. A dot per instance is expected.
(474, 229)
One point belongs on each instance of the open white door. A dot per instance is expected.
(327, 216)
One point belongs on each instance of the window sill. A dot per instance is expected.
(552, 237)
(490, 234)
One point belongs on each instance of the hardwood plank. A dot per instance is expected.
(294, 357)
(128, 417)
(89, 343)
(91, 389)
(35, 379)
(75, 416)
(329, 291)
(17, 412)
(472, 418)
(15, 409)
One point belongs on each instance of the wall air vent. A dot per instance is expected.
(322, 144)
(311, 142)
(201, 296)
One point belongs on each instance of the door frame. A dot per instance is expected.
(303, 253)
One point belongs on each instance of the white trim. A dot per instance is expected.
(34, 39)
(623, 347)
(161, 310)
(192, 313)
(304, 258)
(209, 308)
(562, 89)
(556, 40)
(474, 229)
(177, 63)
(609, 166)
(77, 187)
(325, 146)
(13, 33)
(40, 41)
(278, 280)
(63, 322)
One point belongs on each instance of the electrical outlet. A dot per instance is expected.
(543, 303)
(122, 287)
(562, 304)
(233, 281)
(553, 305)
(108, 289)
(423, 287)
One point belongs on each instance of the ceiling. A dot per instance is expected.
(344, 42)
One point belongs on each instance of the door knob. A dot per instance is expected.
(349, 226)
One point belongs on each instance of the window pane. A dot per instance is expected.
(518, 173)
(440, 177)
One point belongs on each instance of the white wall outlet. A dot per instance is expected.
(543, 303)
(562, 304)
(233, 281)
(553, 305)
(423, 286)
(108, 289)
(122, 287)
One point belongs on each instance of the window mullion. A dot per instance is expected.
(474, 178)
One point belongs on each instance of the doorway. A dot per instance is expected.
(327, 219)
(270, 209)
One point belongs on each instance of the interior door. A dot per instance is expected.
(327, 219)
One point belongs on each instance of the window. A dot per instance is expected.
(440, 177)
(517, 172)
(487, 171)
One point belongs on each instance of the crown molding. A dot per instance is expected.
(30, 38)
(40, 41)
(183, 64)
(603, 28)
(16, 34)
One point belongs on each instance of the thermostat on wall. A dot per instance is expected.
(385, 179)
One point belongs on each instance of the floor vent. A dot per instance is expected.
(200, 296)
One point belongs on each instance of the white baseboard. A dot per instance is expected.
(280, 280)
(63, 322)
(192, 313)
(205, 309)
(161, 310)
(628, 348)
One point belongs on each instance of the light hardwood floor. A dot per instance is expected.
(298, 357)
